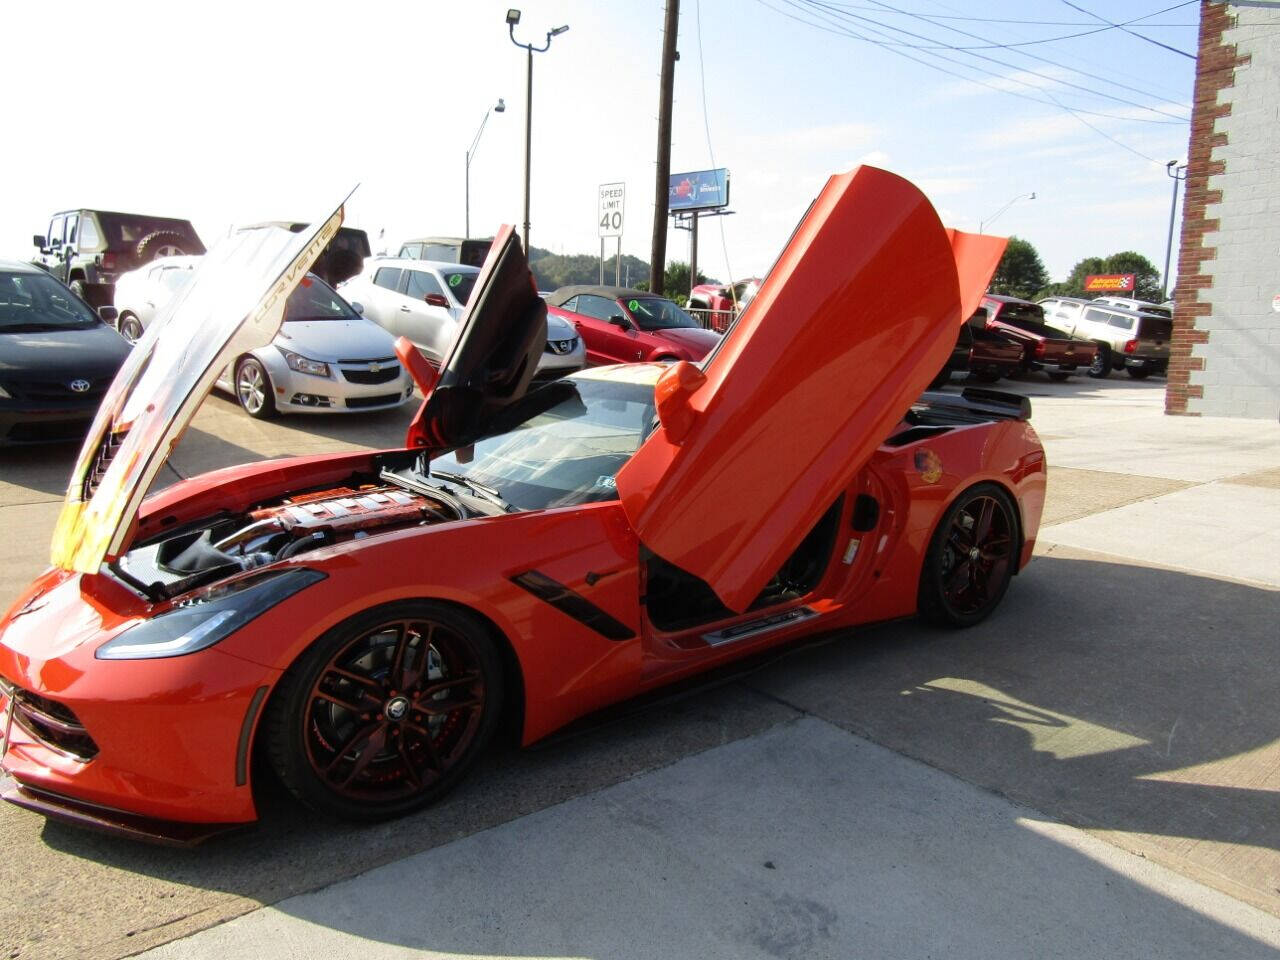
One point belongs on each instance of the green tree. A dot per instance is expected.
(1146, 276)
(1020, 272)
(676, 281)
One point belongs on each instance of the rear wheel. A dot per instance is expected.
(970, 558)
(1138, 373)
(1058, 375)
(1101, 365)
(130, 327)
(387, 711)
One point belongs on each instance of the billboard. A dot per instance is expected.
(1110, 282)
(699, 190)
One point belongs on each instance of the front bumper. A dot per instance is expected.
(552, 365)
(304, 393)
(22, 425)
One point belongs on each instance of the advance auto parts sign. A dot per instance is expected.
(1110, 282)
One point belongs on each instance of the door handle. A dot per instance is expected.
(405, 310)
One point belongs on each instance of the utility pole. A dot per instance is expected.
(658, 252)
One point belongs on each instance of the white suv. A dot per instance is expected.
(424, 300)
(1130, 340)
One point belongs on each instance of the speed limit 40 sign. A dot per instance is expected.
(611, 208)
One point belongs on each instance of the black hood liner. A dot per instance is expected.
(492, 362)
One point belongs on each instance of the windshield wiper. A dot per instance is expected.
(485, 493)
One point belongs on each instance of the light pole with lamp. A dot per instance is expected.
(471, 152)
(513, 18)
(1178, 174)
(988, 220)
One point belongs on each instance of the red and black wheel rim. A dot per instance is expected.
(976, 557)
(393, 710)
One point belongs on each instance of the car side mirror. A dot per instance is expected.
(618, 320)
(109, 314)
(673, 394)
(38, 240)
(358, 307)
(436, 300)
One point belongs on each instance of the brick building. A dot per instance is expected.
(1225, 360)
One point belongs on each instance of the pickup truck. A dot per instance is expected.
(1136, 341)
(1046, 348)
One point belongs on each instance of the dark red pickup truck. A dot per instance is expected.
(1043, 347)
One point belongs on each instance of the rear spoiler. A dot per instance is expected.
(976, 402)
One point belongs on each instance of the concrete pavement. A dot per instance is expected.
(1124, 688)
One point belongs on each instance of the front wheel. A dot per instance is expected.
(970, 559)
(253, 389)
(386, 711)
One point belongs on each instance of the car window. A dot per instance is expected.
(37, 301)
(72, 221)
(174, 278)
(571, 305)
(55, 232)
(411, 251)
(388, 277)
(422, 283)
(89, 238)
(313, 299)
(1116, 320)
(601, 308)
(460, 283)
(655, 313)
(446, 252)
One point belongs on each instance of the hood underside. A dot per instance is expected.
(234, 303)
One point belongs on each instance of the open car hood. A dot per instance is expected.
(857, 316)
(234, 303)
(492, 361)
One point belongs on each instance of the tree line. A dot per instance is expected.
(554, 270)
(1021, 273)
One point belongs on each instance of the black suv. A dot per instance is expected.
(88, 249)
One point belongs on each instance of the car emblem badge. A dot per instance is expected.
(375, 367)
(396, 708)
(79, 386)
(929, 464)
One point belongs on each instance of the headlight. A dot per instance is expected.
(212, 617)
(4, 394)
(304, 365)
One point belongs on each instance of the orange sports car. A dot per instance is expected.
(362, 621)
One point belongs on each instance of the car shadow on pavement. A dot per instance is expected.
(1087, 697)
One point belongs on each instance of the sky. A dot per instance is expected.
(241, 112)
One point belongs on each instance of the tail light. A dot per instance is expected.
(1131, 346)
(108, 261)
(1039, 348)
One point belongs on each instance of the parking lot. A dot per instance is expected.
(1126, 687)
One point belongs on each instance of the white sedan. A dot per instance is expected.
(326, 357)
(424, 300)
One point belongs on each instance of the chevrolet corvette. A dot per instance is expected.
(361, 622)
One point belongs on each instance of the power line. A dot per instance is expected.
(1124, 27)
(1032, 23)
(1032, 56)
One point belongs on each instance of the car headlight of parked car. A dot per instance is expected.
(303, 364)
(211, 618)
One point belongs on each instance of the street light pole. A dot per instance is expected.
(988, 221)
(1178, 174)
(471, 152)
(513, 18)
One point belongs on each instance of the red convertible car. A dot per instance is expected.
(360, 622)
(619, 325)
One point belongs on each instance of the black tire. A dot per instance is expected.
(1101, 366)
(1058, 375)
(401, 752)
(959, 588)
(1138, 373)
(988, 376)
(161, 243)
(253, 389)
(130, 327)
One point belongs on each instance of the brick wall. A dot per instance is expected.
(1225, 357)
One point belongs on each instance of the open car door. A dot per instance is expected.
(858, 314)
(977, 256)
(234, 302)
(492, 361)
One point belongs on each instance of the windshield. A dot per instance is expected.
(37, 301)
(654, 313)
(561, 445)
(460, 283)
(313, 299)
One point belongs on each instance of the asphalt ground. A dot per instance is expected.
(1127, 686)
